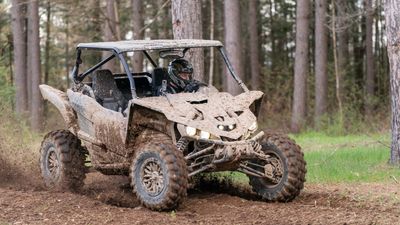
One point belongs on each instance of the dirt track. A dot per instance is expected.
(108, 200)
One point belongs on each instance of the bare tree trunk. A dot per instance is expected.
(321, 60)
(20, 76)
(212, 21)
(186, 22)
(111, 31)
(336, 64)
(138, 32)
(34, 58)
(343, 43)
(233, 43)
(67, 67)
(301, 66)
(254, 51)
(392, 15)
(369, 81)
(47, 46)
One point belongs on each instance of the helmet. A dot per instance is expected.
(176, 68)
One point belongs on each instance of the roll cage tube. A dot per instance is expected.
(79, 77)
(230, 68)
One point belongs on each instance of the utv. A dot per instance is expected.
(118, 126)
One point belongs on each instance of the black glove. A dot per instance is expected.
(193, 86)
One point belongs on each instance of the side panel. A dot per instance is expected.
(104, 126)
(60, 100)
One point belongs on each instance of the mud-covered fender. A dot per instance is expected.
(60, 100)
(141, 118)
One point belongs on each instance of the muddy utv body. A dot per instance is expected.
(118, 123)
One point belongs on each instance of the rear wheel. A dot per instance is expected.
(158, 174)
(62, 161)
(286, 168)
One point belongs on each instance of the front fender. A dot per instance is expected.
(60, 100)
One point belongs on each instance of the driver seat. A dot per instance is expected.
(106, 91)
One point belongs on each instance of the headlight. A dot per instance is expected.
(253, 126)
(204, 135)
(191, 131)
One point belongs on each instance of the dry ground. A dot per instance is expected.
(108, 200)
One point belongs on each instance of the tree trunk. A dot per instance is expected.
(212, 22)
(321, 60)
(20, 77)
(343, 44)
(34, 58)
(138, 33)
(392, 15)
(111, 32)
(186, 22)
(254, 47)
(233, 43)
(369, 81)
(47, 46)
(301, 66)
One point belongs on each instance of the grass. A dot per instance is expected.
(350, 158)
(343, 159)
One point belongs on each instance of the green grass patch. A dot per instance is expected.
(350, 158)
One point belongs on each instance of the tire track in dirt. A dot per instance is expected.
(109, 200)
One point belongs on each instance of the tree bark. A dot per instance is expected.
(212, 22)
(369, 81)
(301, 65)
(392, 15)
(343, 44)
(321, 60)
(138, 32)
(233, 43)
(34, 59)
(20, 76)
(47, 46)
(254, 47)
(186, 23)
(111, 32)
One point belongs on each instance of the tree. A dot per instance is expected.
(111, 30)
(301, 65)
(342, 45)
(369, 81)
(138, 32)
(20, 77)
(254, 47)
(392, 15)
(321, 59)
(186, 24)
(233, 43)
(34, 65)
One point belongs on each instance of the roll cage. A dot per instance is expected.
(118, 48)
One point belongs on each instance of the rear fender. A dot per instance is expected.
(60, 100)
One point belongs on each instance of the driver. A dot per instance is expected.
(180, 78)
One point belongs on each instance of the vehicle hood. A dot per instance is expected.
(207, 111)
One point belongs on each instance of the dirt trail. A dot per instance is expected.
(108, 200)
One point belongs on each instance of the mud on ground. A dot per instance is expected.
(109, 200)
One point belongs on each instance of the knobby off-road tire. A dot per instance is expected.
(158, 174)
(293, 165)
(62, 161)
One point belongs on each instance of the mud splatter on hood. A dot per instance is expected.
(208, 112)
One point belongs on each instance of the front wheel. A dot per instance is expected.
(286, 167)
(158, 174)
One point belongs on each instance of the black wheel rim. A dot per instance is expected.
(275, 169)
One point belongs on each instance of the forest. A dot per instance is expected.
(329, 71)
